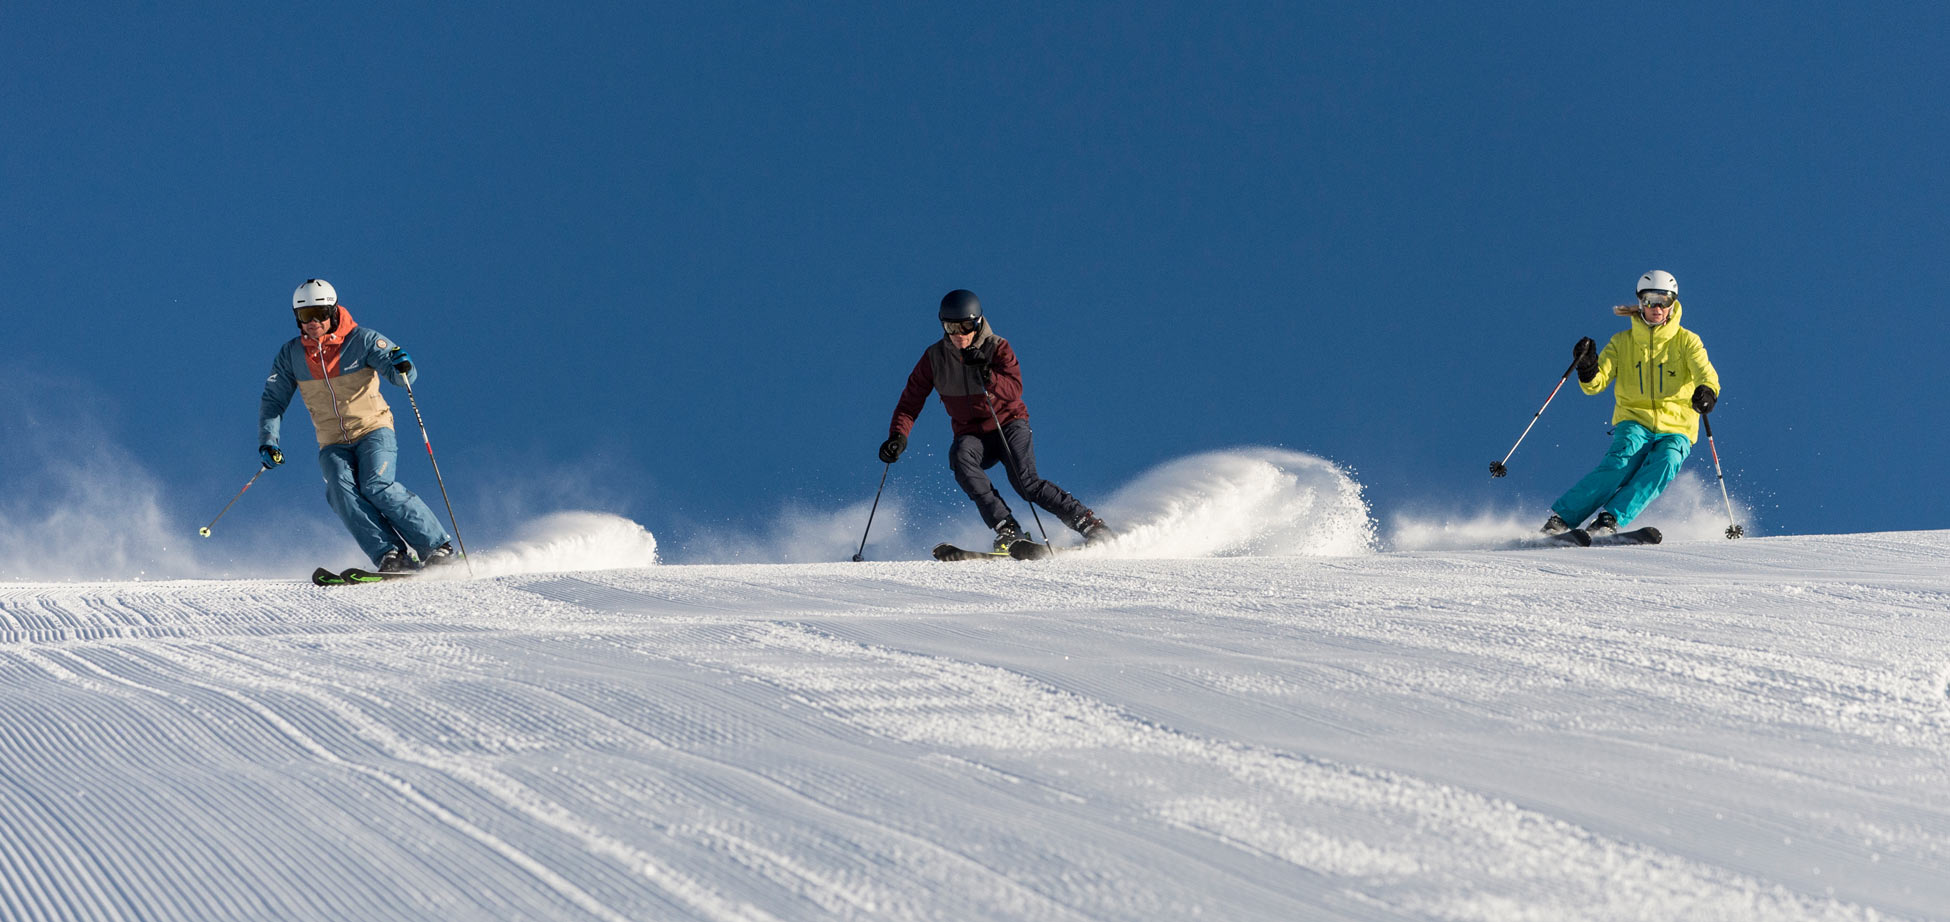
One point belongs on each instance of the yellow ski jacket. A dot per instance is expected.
(1654, 371)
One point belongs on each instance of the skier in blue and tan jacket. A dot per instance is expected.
(1662, 382)
(336, 366)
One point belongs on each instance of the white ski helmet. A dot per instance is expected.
(1656, 280)
(314, 293)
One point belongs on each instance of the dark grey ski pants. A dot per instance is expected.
(972, 455)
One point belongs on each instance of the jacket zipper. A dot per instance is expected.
(331, 392)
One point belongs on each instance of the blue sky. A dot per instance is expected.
(676, 263)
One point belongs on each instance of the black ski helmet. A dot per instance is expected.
(960, 305)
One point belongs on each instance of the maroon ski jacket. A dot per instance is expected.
(940, 369)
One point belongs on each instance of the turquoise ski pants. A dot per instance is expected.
(379, 512)
(1637, 468)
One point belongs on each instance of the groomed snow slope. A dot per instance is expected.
(1700, 730)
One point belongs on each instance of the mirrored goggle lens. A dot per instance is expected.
(961, 326)
(316, 314)
(1655, 298)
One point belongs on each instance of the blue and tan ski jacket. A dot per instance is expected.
(338, 377)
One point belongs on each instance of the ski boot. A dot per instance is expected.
(441, 556)
(1094, 530)
(394, 561)
(1555, 525)
(1007, 532)
(1604, 524)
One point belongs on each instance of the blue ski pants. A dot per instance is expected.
(1637, 468)
(380, 514)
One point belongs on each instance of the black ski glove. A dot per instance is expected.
(402, 362)
(1704, 399)
(1586, 353)
(890, 450)
(270, 455)
(978, 363)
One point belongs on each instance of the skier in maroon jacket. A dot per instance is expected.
(980, 384)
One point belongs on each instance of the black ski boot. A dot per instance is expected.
(394, 561)
(1007, 532)
(1094, 530)
(1604, 524)
(1555, 525)
(441, 556)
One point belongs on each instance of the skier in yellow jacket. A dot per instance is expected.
(1663, 382)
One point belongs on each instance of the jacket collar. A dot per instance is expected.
(983, 338)
(339, 332)
(1660, 333)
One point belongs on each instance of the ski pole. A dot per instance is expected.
(205, 530)
(436, 474)
(1011, 452)
(860, 554)
(1497, 468)
(1733, 529)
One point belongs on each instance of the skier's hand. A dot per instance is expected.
(270, 455)
(1704, 399)
(890, 450)
(1586, 354)
(978, 363)
(402, 362)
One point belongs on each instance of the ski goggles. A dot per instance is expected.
(952, 327)
(1655, 298)
(315, 314)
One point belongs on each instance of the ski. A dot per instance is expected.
(950, 552)
(324, 577)
(1646, 535)
(1576, 537)
(356, 575)
(1025, 549)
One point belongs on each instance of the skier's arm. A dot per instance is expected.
(1703, 371)
(1005, 374)
(380, 357)
(920, 383)
(1607, 363)
(278, 389)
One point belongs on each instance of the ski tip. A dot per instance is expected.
(1650, 535)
